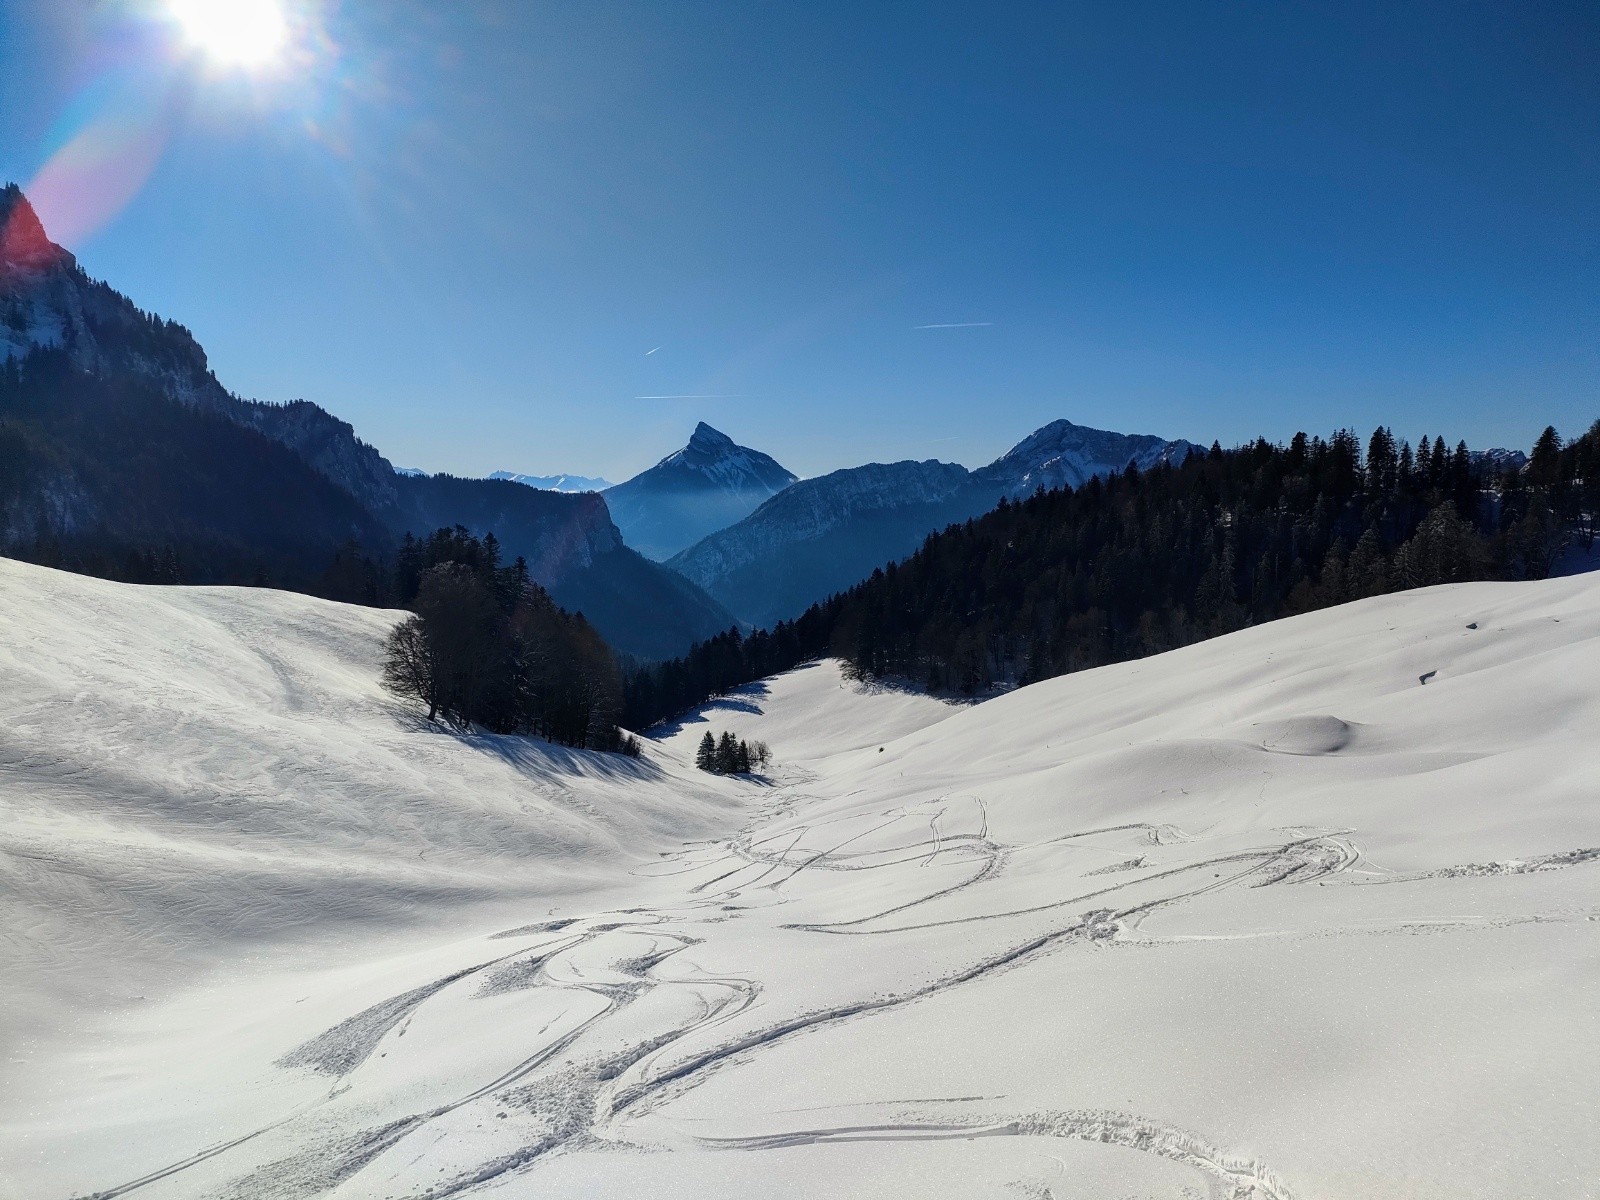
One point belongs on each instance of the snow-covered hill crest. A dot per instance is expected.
(186, 772)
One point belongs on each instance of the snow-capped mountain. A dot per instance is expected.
(708, 485)
(1063, 454)
(556, 483)
(73, 485)
(823, 535)
(1499, 459)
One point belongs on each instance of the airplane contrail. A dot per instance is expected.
(726, 396)
(957, 325)
(648, 353)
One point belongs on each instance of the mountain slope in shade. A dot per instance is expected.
(556, 483)
(708, 485)
(823, 535)
(107, 472)
(1266, 918)
(46, 300)
(204, 498)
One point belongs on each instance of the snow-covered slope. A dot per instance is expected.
(808, 714)
(1304, 913)
(708, 485)
(187, 771)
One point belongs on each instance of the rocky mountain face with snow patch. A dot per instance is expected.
(50, 308)
(1062, 454)
(823, 535)
(708, 485)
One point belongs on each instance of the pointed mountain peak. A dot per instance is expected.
(708, 485)
(706, 438)
(23, 241)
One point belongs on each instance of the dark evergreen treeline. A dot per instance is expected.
(1138, 564)
(486, 646)
(107, 476)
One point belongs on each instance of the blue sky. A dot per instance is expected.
(463, 226)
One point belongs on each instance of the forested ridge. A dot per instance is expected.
(1143, 563)
(106, 475)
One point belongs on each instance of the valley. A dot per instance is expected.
(1242, 920)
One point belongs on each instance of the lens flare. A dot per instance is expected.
(105, 148)
(234, 33)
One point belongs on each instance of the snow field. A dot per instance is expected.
(1305, 912)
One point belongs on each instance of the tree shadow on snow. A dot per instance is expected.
(741, 700)
(534, 757)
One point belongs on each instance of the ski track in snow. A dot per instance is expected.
(896, 900)
(591, 1099)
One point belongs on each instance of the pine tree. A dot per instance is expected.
(706, 756)
(1544, 464)
(727, 759)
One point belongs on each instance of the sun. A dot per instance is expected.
(234, 33)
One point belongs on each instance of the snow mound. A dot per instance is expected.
(1319, 734)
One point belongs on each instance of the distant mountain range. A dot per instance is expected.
(822, 535)
(556, 483)
(117, 434)
(545, 483)
(708, 485)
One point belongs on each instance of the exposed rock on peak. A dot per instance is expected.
(24, 245)
(1063, 454)
(710, 440)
